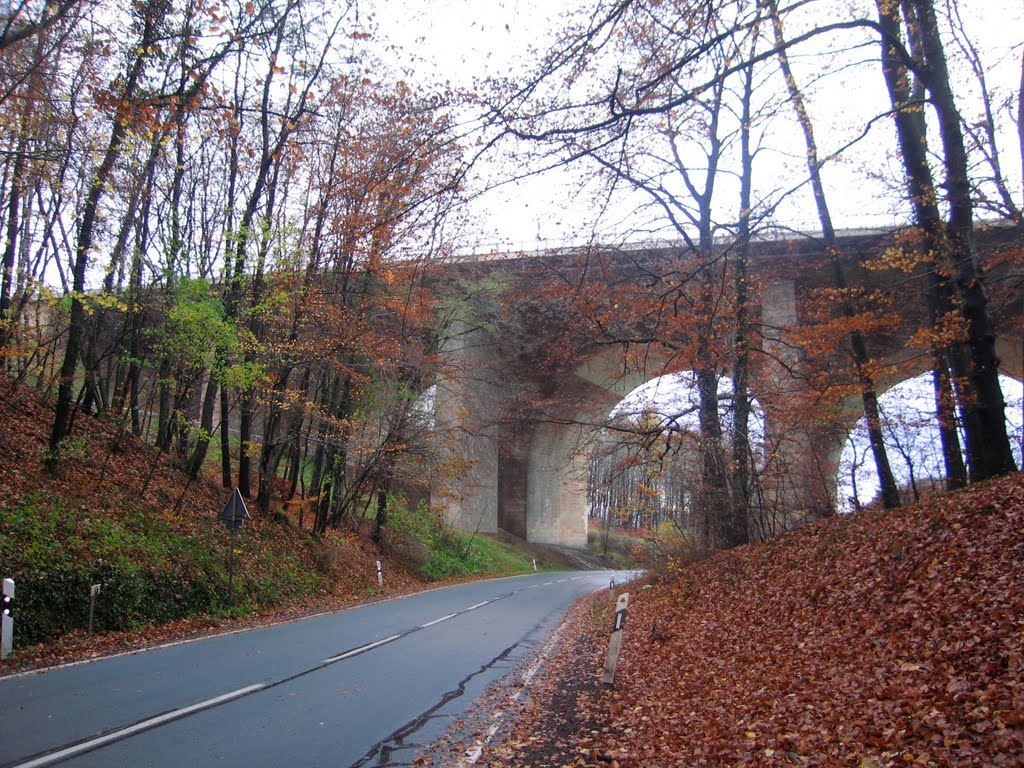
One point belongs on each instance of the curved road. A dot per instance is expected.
(367, 686)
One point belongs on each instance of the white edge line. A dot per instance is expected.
(86, 746)
(361, 649)
(225, 633)
(438, 621)
(477, 750)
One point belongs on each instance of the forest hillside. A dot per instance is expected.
(885, 638)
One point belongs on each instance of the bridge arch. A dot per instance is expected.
(911, 437)
(523, 422)
(529, 477)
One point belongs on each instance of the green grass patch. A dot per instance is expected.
(619, 549)
(426, 545)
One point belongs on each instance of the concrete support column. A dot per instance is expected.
(557, 487)
(512, 484)
(778, 313)
(465, 418)
(804, 453)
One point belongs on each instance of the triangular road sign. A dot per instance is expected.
(235, 512)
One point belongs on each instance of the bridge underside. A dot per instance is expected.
(533, 486)
(521, 435)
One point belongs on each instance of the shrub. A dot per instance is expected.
(672, 548)
(149, 573)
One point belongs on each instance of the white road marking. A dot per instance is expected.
(153, 722)
(477, 750)
(478, 605)
(361, 649)
(438, 621)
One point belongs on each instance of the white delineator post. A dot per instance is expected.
(615, 642)
(380, 575)
(7, 619)
(93, 591)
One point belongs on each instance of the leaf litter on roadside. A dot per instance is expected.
(886, 638)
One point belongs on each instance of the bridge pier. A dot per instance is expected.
(557, 487)
(465, 402)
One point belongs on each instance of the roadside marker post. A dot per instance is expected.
(93, 591)
(234, 515)
(535, 563)
(615, 642)
(380, 575)
(7, 619)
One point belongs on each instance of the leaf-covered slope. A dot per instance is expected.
(161, 554)
(880, 639)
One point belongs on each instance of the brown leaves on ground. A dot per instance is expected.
(880, 639)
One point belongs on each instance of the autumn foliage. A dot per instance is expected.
(119, 513)
(878, 639)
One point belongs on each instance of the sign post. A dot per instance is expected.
(7, 619)
(93, 591)
(234, 515)
(615, 643)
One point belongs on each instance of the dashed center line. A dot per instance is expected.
(144, 725)
(153, 722)
(361, 649)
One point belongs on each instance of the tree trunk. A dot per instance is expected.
(869, 396)
(940, 241)
(987, 408)
(245, 414)
(225, 439)
(83, 247)
(738, 525)
(205, 427)
(152, 17)
(956, 472)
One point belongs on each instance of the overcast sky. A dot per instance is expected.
(464, 41)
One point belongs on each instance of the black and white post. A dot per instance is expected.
(615, 642)
(7, 619)
(380, 576)
(93, 591)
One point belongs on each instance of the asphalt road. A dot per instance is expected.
(366, 686)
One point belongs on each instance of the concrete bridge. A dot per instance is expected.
(524, 417)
